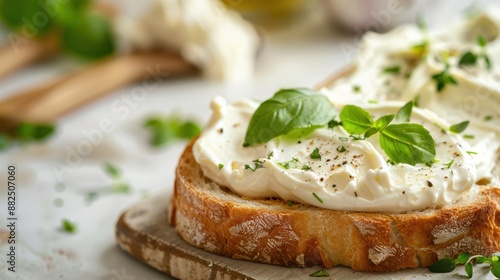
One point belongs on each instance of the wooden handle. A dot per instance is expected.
(329, 81)
(50, 101)
(20, 52)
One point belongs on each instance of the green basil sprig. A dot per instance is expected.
(409, 143)
(287, 110)
(449, 264)
(82, 31)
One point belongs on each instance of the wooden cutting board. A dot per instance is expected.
(143, 232)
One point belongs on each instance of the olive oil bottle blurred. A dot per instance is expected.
(269, 14)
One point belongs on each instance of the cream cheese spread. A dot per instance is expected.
(217, 40)
(356, 175)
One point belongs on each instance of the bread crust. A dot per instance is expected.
(211, 217)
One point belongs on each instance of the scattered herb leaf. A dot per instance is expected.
(315, 154)
(69, 226)
(459, 127)
(341, 149)
(220, 166)
(320, 273)
(257, 164)
(294, 163)
(392, 70)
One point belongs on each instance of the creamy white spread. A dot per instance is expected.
(360, 178)
(217, 40)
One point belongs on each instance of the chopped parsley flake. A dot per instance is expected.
(341, 149)
(333, 123)
(317, 197)
(356, 88)
(294, 163)
(306, 167)
(315, 154)
(69, 226)
(472, 153)
(257, 164)
(488, 118)
(345, 139)
(392, 70)
(271, 154)
(469, 136)
(221, 166)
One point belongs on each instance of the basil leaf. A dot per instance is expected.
(27, 132)
(443, 266)
(383, 121)
(404, 113)
(373, 130)
(459, 127)
(495, 269)
(480, 260)
(287, 110)
(88, 36)
(355, 119)
(469, 269)
(467, 58)
(463, 258)
(408, 143)
(27, 14)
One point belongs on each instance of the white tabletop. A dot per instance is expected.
(301, 54)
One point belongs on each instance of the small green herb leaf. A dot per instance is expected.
(315, 154)
(287, 110)
(481, 41)
(333, 123)
(27, 132)
(495, 269)
(356, 88)
(4, 141)
(408, 143)
(69, 226)
(442, 79)
(404, 113)
(459, 127)
(294, 163)
(320, 273)
(257, 164)
(220, 166)
(469, 269)
(112, 170)
(463, 258)
(443, 266)
(383, 121)
(306, 167)
(341, 149)
(467, 58)
(355, 119)
(392, 69)
(166, 130)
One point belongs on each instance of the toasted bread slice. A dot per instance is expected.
(213, 218)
